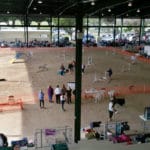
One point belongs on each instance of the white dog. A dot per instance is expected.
(99, 95)
(111, 93)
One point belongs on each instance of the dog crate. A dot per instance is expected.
(147, 113)
(53, 137)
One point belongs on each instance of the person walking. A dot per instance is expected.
(57, 94)
(41, 98)
(110, 72)
(111, 108)
(50, 92)
(62, 99)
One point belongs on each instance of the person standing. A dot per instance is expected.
(50, 92)
(109, 72)
(57, 94)
(69, 90)
(41, 98)
(63, 90)
(70, 67)
(83, 68)
(62, 99)
(3, 140)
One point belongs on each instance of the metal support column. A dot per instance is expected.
(99, 29)
(78, 75)
(140, 33)
(50, 23)
(26, 34)
(58, 36)
(114, 32)
(30, 2)
(87, 30)
(121, 27)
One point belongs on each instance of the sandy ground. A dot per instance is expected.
(25, 79)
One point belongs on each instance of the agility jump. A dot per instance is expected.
(21, 57)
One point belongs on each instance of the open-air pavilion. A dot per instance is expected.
(75, 16)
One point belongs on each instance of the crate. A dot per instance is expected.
(60, 146)
(147, 113)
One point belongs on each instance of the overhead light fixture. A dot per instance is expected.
(40, 2)
(138, 11)
(130, 4)
(109, 10)
(92, 3)
(34, 8)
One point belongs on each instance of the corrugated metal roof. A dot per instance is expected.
(118, 8)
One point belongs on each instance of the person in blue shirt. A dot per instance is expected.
(41, 98)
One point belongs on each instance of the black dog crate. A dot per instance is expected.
(61, 146)
(147, 113)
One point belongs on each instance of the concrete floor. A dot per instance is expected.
(102, 145)
(107, 145)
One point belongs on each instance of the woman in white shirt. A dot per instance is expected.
(111, 109)
(57, 92)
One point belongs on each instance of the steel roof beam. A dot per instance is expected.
(29, 5)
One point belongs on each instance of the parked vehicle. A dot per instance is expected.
(3, 44)
(63, 41)
(107, 38)
(89, 40)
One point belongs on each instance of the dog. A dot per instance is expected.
(111, 94)
(99, 95)
(2, 79)
(119, 101)
(95, 124)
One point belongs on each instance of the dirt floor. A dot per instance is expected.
(38, 68)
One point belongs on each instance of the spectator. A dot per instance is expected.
(50, 93)
(62, 69)
(3, 140)
(62, 99)
(16, 147)
(63, 90)
(69, 90)
(70, 67)
(57, 94)
(41, 98)
(74, 92)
